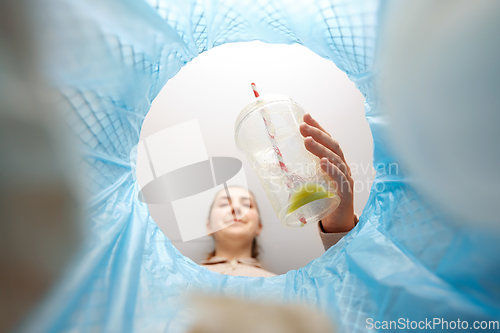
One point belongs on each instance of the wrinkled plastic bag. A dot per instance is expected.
(405, 259)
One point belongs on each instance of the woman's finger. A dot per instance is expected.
(311, 121)
(321, 151)
(323, 138)
(342, 183)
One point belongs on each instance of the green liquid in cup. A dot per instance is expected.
(306, 193)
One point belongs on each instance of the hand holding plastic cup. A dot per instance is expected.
(267, 132)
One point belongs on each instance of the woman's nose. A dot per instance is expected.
(236, 209)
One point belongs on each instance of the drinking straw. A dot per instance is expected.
(254, 88)
(271, 131)
(291, 179)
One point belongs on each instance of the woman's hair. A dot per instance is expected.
(255, 244)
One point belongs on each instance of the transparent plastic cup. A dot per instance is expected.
(267, 132)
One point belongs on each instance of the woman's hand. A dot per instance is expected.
(321, 144)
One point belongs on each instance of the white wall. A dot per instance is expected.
(215, 86)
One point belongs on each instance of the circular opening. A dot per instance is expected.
(212, 90)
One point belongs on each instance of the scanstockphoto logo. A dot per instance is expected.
(429, 324)
(173, 167)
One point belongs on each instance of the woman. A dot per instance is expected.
(235, 223)
(236, 246)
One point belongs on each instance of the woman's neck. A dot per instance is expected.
(231, 250)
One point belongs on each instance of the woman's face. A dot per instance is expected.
(237, 217)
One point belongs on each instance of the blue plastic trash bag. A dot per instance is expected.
(109, 59)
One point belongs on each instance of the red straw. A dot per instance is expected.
(254, 88)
